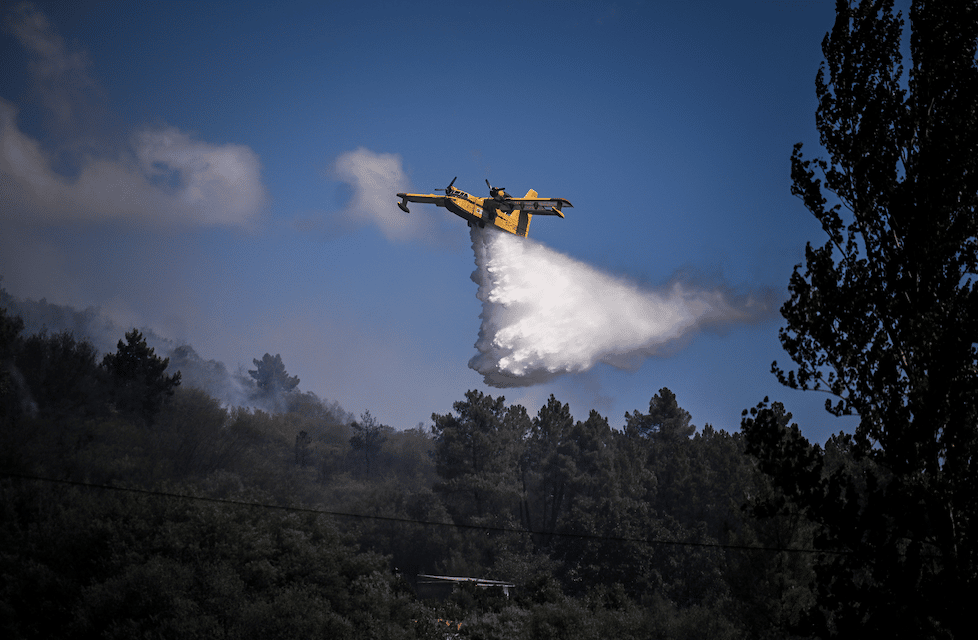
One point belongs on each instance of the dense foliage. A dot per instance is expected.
(884, 318)
(186, 516)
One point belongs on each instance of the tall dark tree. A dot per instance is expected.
(593, 505)
(141, 383)
(545, 468)
(302, 441)
(884, 318)
(368, 438)
(477, 451)
(662, 437)
(477, 454)
(666, 422)
(10, 328)
(63, 374)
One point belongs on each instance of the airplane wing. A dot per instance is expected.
(429, 198)
(421, 197)
(539, 206)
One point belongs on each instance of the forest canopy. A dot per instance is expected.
(639, 528)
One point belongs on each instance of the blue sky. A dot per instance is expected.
(219, 172)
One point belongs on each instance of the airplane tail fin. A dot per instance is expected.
(523, 226)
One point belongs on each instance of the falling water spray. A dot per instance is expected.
(545, 314)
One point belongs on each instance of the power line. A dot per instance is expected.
(431, 523)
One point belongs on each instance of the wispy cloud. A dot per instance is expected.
(374, 179)
(159, 176)
(60, 77)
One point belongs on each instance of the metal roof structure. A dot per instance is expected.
(481, 583)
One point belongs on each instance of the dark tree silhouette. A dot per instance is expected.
(546, 469)
(302, 441)
(368, 438)
(10, 328)
(141, 383)
(477, 452)
(884, 318)
(666, 422)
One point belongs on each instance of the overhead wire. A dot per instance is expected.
(430, 523)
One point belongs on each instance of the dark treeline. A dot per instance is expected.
(641, 528)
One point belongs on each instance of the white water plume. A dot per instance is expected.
(545, 314)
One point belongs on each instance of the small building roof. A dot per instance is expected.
(424, 578)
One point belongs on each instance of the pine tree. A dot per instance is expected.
(139, 375)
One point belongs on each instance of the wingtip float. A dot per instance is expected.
(499, 209)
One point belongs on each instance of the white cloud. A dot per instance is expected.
(375, 179)
(216, 184)
(167, 179)
(161, 177)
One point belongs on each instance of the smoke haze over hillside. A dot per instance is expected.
(233, 388)
(545, 314)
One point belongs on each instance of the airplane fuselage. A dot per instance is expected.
(474, 211)
(499, 209)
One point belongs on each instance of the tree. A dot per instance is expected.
(368, 438)
(84, 564)
(477, 453)
(141, 383)
(545, 468)
(662, 438)
(302, 441)
(666, 422)
(773, 590)
(272, 379)
(10, 328)
(593, 507)
(884, 318)
(63, 374)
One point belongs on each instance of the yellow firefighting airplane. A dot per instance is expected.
(500, 209)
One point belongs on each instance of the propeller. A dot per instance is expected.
(449, 187)
(495, 191)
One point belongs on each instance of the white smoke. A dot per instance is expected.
(545, 314)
